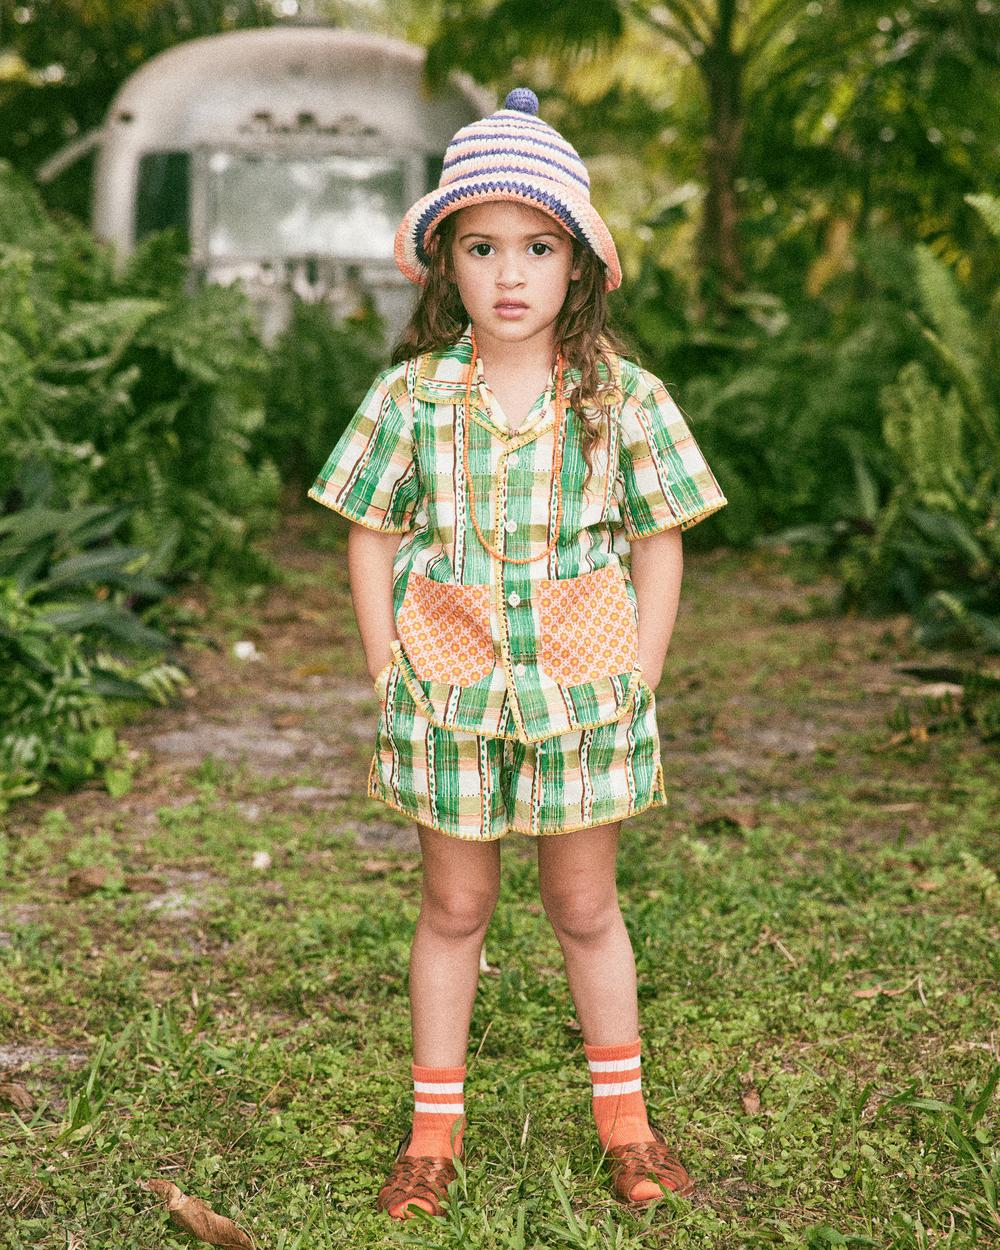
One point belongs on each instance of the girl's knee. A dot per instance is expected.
(582, 914)
(457, 911)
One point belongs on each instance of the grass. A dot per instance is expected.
(820, 929)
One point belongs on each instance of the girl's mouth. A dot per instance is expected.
(510, 308)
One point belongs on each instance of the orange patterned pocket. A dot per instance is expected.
(445, 630)
(587, 627)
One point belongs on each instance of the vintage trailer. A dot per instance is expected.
(287, 154)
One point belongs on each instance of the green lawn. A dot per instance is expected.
(817, 923)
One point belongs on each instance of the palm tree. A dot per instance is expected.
(750, 57)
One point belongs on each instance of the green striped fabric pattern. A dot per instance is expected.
(398, 467)
(481, 788)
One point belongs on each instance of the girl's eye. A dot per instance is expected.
(476, 246)
(542, 245)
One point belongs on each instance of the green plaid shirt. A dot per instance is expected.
(521, 651)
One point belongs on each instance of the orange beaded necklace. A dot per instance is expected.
(556, 459)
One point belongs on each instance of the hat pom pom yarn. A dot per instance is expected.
(523, 99)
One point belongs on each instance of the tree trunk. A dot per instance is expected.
(720, 249)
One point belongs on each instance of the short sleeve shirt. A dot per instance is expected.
(516, 650)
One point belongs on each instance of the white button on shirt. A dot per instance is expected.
(421, 517)
(520, 669)
(513, 458)
(510, 526)
(513, 598)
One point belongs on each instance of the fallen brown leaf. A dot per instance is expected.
(873, 991)
(927, 885)
(83, 881)
(287, 720)
(916, 733)
(750, 1100)
(16, 1095)
(197, 1218)
(144, 883)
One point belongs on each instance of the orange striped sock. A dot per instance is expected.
(438, 1102)
(618, 1105)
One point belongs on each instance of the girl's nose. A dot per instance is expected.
(510, 272)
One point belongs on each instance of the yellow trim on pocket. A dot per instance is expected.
(629, 700)
(382, 688)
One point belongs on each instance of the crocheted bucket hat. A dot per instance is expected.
(510, 155)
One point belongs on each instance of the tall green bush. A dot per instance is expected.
(935, 545)
(130, 391)
(319, 372)
(128, 408)
(784, 397)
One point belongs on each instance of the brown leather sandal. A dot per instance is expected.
(416, 1176)
(652, 1160)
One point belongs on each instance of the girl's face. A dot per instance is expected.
(513, 266)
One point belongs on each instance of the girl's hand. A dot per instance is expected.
(652, 674)
(375, 674)
(657, 568)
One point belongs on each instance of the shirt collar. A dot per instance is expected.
(441, 378)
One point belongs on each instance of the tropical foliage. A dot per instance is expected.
(127, 409)
(319, 370)
(128, 389)
(934, 546)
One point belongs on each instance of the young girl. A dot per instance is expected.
(501, 476)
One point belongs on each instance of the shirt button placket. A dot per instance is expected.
(514, 573)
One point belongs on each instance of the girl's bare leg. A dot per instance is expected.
(461, 884)
(579, 890)
(576, 875)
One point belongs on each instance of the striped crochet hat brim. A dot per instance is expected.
(510, 155)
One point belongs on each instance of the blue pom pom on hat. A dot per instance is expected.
(522, 99)
(510, 155)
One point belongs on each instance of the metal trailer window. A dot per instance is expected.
(274, 204)
(162, 192)
(433, 168)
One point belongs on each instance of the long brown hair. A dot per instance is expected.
(583, 331)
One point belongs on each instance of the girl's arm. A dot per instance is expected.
(657, 567)
(370, 556)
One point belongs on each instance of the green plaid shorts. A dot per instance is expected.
(480, 788)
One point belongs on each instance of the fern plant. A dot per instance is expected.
(54, 694)
(935, 545)
(130, 393)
